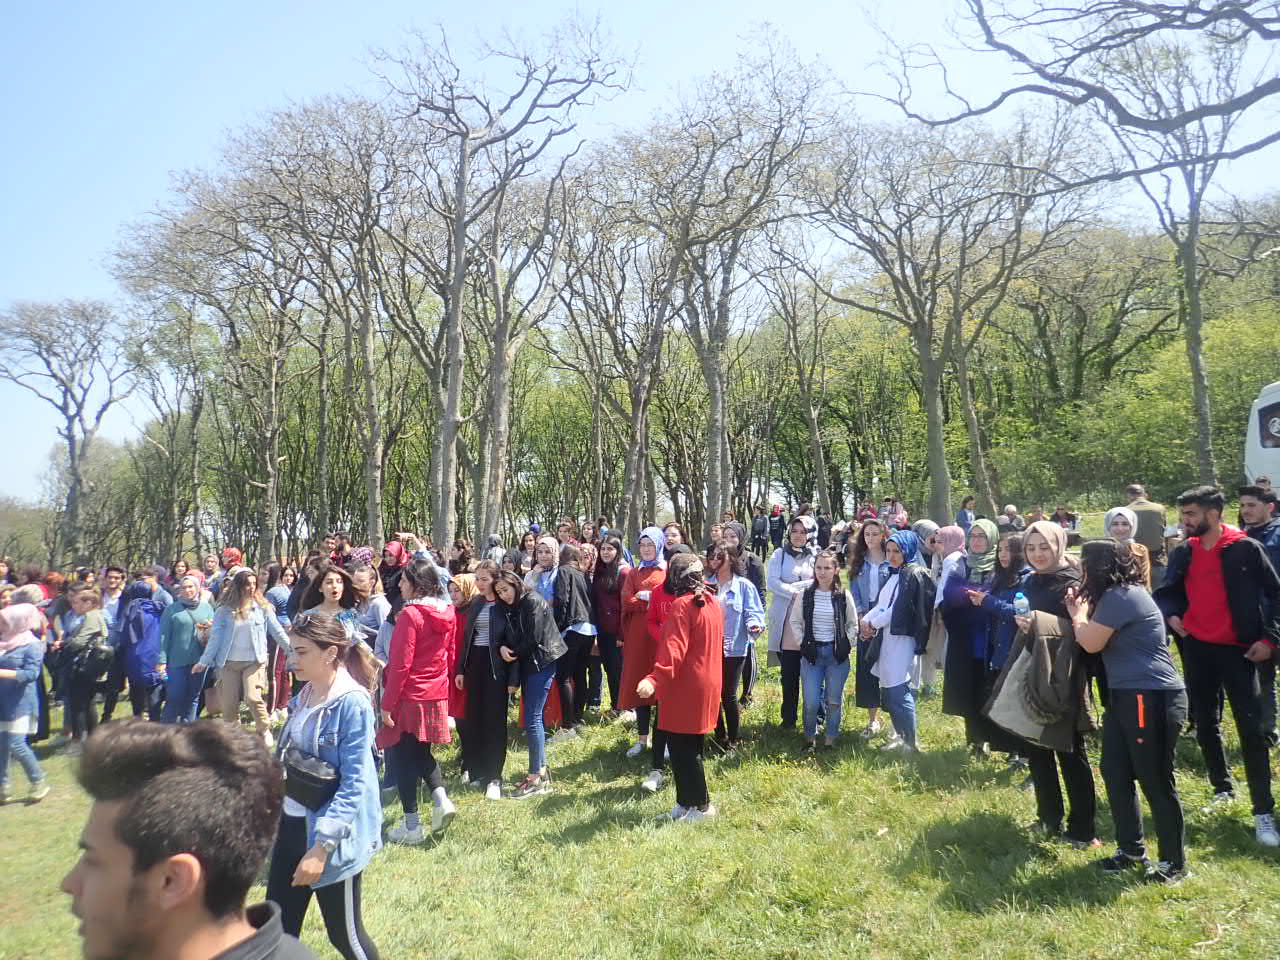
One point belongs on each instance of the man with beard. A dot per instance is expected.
(1220, 597)
(182, 820)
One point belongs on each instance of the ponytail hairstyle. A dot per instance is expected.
(835, 561)
(327, 633)
(423, 577)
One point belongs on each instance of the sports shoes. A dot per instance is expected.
(442, 815)
(1119, 862)
(531, 786)
(268, 739)
(1164, 872)
(870, 730)
(676, 813)
(652, 782)
(402, 834)
(561, 735)
(636, 749)
(5, 795)
(1220, 799)
(1264, 829)
(895, 744)
(697, 816)
(493, 791)
(625, 716)
(40, 789)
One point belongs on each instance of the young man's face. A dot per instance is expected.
(330, 544)
(114, 579)
(107, 897)
(1196, 520)
(1253, 511)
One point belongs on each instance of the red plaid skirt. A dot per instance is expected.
(427, 721)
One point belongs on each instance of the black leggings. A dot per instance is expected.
(571, 678)
(611, 661)
(687, 770)
(82, 716)
(790, 661)
(414, 762)
(730, 711)
(339, 902)
(643, 715)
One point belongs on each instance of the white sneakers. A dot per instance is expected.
(894, 744)
(268, 739)
(636, 749)
(442, 815)
(653, 782)
(493, 791)
(402, 834)
(697, 816)
(870, 730)
(625, 716)
(1264, 829)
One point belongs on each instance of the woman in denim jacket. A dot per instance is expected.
(238, 649)
(743, 612)
(325, 850)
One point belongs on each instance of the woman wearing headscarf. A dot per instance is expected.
(462, 591)
(144, 604)
(638, 648)
(21, 660)
(790, 571)
(902, 614)
(971, 631)
(950, 542)
(1045, 588)
(395, 555)
(685, 678)
(996, 602)
(1120, 524)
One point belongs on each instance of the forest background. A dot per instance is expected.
(448, 308)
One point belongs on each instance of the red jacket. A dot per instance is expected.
(418, 659)
(688, 670)
(638, 645)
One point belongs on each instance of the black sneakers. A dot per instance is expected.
(1118, 863)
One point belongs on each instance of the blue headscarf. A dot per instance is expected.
(659, 542)
(909, 544)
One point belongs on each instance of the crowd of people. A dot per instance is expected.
(353, 668)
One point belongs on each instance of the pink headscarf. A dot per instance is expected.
(19, 623)
(950, 539)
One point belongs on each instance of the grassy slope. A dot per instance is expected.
(850, 855)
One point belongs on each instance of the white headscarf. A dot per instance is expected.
(1120, 512)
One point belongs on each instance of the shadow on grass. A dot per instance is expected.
(984, 861)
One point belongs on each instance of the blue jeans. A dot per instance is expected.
(901, 706)
(182, 695)
(812, 676)
(537, 688)
(16, 744)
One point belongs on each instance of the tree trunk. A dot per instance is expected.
(450, 421)
(323, 514)
(372, 428)
(72, 535)
(499, 429)
(983, 487)
(819, 457)
(931, 387)
(1193, 325)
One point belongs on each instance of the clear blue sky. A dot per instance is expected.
(102, 102)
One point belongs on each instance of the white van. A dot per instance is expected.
(1262, 436)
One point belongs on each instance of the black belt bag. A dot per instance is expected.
(308, 780)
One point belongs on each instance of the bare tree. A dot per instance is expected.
(475, 144)
(1064, 51)
(74, 356)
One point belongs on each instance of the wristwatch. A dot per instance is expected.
(327, 844)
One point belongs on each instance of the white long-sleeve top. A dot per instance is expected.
(787, 576)
(949, 563)
(897, 653)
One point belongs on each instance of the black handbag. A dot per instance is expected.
(308, 780)
(872, 653)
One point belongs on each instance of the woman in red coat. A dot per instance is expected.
(415, 698)
(638, 647)
(686, 678)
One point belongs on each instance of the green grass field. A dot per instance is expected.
(849, 855)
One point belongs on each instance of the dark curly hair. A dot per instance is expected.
(1106, 563)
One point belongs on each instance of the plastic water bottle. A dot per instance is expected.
(1021, 606)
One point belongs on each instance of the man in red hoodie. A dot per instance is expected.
(1222, 597)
